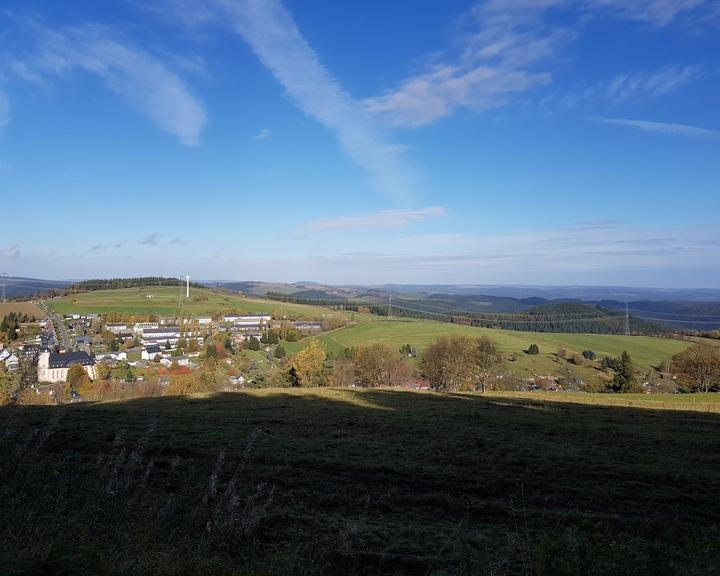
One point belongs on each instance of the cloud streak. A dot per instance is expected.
(503, 48)
(658, 83)
(270, 31)
(380, 219)
(136, 75)
(263, 134)
(662, 127)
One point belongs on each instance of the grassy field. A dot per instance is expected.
(645, 350)
(348, 482)
(166, 301)
(28, 308)
(695, 402)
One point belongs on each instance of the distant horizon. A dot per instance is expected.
(384, 284)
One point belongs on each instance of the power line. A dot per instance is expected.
(675, 314)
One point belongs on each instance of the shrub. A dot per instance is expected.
(533, 349)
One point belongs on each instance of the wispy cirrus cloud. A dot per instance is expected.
(380, 219)
(657, 12)
(138, 76)
(269, 29)
(662, 127)
(263, 134)
(505, 49)
(501, 43)
(658, 83)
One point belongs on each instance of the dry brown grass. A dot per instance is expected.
(29, 308)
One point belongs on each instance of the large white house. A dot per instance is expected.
(55, 367)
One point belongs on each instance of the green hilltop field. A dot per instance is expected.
(363, 329)
(170, 301)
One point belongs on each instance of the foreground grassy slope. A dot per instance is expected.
(166, 299)
(349, 482)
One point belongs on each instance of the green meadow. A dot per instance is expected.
(170, 301)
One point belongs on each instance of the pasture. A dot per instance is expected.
(646, 351)
(169, 301)
(327, 481)
(692, 402)
(29, 308)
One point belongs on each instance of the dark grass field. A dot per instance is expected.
(350, 482)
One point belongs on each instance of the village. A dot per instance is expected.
(125, 353)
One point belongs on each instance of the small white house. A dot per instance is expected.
(12, 362)
(150, 352)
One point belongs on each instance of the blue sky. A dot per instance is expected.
(516, 141)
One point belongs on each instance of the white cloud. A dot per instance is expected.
(663, 127)
(263, 134)
(269, 29)
(656, 83)
(658, 12)
(139, 77)
(503, 49)
(380, 219)
(504, 41)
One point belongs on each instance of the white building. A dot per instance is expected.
(252, 318)
(116, 328)
(150, 352)
(55, 367)
(201, 320)
(140, 326)
(12, 362)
